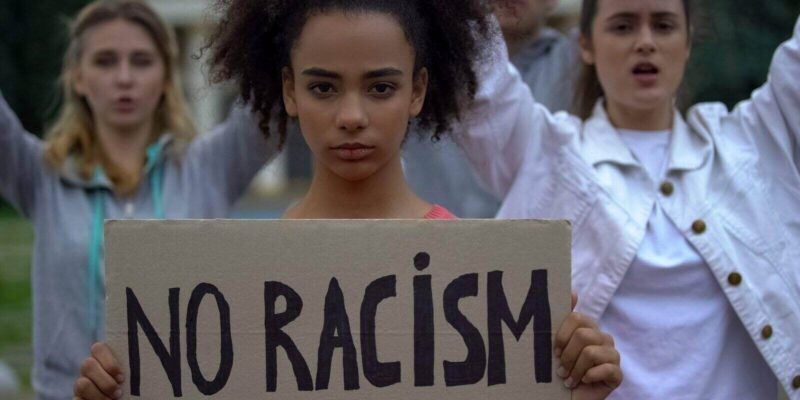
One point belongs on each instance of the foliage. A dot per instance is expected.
(33, 37)
(735, 41)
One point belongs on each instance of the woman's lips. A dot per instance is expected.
(352, 151)
(646, 74)
(124, 105)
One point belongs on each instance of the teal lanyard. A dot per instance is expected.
(95, 249)
(95, 282)
(156, 181)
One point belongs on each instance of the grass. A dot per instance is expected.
(16, 314)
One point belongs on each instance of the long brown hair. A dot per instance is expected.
(588, 89)
(74, 131)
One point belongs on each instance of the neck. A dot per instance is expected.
(126, 149)
(384, 195)
(650, 119)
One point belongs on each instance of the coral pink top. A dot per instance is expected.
(439, 212)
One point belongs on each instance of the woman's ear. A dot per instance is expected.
(78, 85)
(419, 91)
(587, 50)
(689, 45)
(289, 99)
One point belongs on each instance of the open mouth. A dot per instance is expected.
(646, 74)
(645, 69)
(124, 104)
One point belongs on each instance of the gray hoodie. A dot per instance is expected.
(201, 182)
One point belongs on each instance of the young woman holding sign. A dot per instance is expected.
(121, 148)
(355, 73)
(686, 231)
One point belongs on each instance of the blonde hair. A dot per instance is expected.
(74, 130)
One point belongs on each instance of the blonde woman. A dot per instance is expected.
(121, 148)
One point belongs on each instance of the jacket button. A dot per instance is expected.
(699, 226)
(735, 279)
(796, 382)
(667, 188)
(766, 333)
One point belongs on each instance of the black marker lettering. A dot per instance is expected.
(170, 360)
(336, 333)
(226, 342)
(276, 337)
(536, 307)
(471, 370)
(377, 373)
(423, 324)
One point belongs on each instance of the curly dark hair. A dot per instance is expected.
(254, 38)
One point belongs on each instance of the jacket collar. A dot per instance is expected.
(70, 171)
(601, 143)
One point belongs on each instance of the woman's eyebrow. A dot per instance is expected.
(664, 14)
(633, 15)
(624, 15)
(382, 73)
(378, 73)
(321, 73)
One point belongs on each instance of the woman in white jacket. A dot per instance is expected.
(686, 231)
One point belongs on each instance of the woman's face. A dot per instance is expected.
(640, 49)
(353, 88)
(121, 74)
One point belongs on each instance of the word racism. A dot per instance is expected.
(336, 333)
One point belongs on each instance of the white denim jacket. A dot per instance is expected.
(735, 193)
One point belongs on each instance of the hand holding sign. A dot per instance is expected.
(101, 377)
(588, 361)
(600, 379)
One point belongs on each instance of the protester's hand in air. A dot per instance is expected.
(101, 378)
(588, 362)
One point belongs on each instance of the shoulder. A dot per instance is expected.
(710, 120)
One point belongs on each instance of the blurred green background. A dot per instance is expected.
(734, 44)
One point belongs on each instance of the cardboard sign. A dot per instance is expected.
(337, 309)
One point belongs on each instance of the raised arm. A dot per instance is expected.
(21, 161)
(504, 125)
(231, 154)
(768, 126)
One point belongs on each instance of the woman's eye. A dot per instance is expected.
(621, 28)
(383, 89)
(105, 62)
(665, 27)
(322, 89)
(142, 61)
